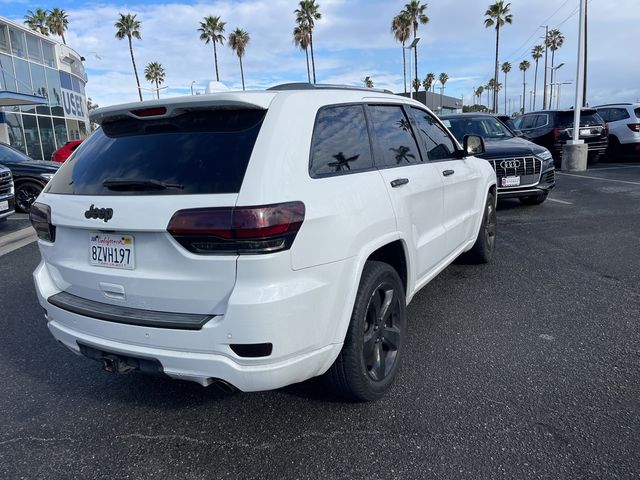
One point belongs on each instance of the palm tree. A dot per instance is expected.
(536, 54)
(401, 29)
(479, 92)
(128, 26)
(428, 82)
(497, 15)
(442, 79)
(211, 30)
(506, 68)
(524, 66)
(306, 15)
(37, 20)
(416, 84)
(154, 73)
(301, 40)
(58, 22)
(238, 41)
(554, 40)
(415, 11)
(487, 88)
(368, 82)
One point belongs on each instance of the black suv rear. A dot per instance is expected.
(552, 129)
(7, 202)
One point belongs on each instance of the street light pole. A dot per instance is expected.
(413, 45)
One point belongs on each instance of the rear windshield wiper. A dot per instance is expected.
(124, 185)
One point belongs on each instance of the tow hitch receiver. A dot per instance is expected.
(115, 364)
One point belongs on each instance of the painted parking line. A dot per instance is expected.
(559, 201)
(598, 178)
(16, 240)
(615, 167)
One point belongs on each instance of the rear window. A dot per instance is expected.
(193, 153)
(565, 120)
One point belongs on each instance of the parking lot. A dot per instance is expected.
(524, 368)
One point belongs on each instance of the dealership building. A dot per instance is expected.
(42, 98)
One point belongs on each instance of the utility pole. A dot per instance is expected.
(584, 88)
(546, 49)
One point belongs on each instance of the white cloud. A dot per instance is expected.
(352, 41)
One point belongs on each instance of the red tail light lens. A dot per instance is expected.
(634, 126)
(40, 216)
(238, 230)
(556, 135)
(149, 112)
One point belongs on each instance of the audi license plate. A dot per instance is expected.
(4, 206)
(112, 251)
(509, 181)
(585, 131)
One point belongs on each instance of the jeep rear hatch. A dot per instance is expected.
(113, 201)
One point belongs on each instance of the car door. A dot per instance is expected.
(461, 177)
(414, 185)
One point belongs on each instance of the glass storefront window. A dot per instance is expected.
(60, 131)
(55, 94)
(83, 129)
(32, 138)
(7, 75)
(73, 130)
(23, 78)
(49, 55)
(4, 39)
(47, 136)
(76, 84)
(65, 81)
(17, 43)
(16, 133)
(34, 49)
(39, 81)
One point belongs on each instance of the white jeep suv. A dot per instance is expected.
(254, 240)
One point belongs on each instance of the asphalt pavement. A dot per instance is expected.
(524, 368)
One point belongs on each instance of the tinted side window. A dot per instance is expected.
(436, 140)
(605, 113)
(618, 114)
(394, 140)
(528, 121)
(541, 121)
(340, 141)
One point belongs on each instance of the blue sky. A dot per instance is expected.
(351, 41)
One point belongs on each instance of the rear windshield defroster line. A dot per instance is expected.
(203, 151)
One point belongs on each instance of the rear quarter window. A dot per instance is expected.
(340, 142)
(199, 152)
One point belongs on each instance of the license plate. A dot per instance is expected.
(585, 131)
(112, 251)
(510, 181)
(4, 206)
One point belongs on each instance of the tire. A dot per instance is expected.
(593, 159)
(534, 199)
(26, 193)
(482, 250)
(369, 361)
(614, 149)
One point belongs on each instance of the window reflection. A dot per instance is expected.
(340, 141)
(395, 144)
(436, 140)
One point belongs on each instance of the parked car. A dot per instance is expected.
(552, 129)
(623, 120)
(7, 202)
(214, 239)
(508, 121)
(61, 154)
(29, 175)
(524, 170)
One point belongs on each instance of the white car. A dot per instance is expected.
(254, 240)
(623, 120)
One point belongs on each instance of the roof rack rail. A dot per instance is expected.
(611, 104)
(324, 86)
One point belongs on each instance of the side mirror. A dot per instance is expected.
(473, 145)
(518, 133)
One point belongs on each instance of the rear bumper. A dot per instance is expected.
(298, 316)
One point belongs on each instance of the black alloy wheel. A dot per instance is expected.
(381, 332)
(26, 194)
(482, 250)
(370, 359)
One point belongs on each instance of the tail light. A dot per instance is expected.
(556, 135)
(606, 129)
(238, 230)
(40, 216)
(634, 126)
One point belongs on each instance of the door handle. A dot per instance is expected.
(446, 173)
(399, 181)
